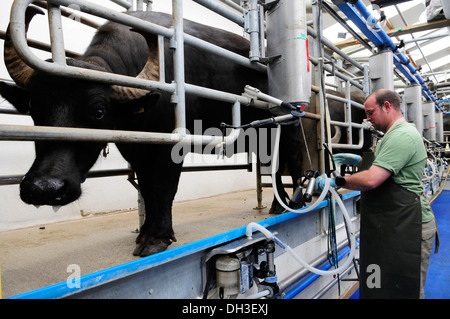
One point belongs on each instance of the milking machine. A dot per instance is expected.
(244, 268)
(236, 271)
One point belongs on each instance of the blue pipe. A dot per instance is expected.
(363, 19)
(356, 18)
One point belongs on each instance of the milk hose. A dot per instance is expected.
(327, 188)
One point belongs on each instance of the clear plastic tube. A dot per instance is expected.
(274, 185)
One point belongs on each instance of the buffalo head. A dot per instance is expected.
(59, 168)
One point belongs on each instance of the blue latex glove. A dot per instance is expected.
(320, 183)
(346, 159)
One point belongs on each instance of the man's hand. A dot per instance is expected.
(320, 183)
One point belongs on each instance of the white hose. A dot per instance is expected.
(274, 183)
(269, 235)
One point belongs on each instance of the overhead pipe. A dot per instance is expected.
(363, 19)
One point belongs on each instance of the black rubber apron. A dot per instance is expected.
(391, 225)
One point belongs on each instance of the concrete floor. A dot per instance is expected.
(39, 256)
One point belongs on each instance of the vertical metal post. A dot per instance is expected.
(149, 5)
(429, 121)
(141, 209)
(366, 84)
(253, 29)
(439, 127)
(413, 99)
(177, 44)
(320, 103)
(162, 63)
(259, 189)
(56, 34)
(140, 5)
(236, 114)
(348, 112)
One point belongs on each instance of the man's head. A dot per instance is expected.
(383, 109)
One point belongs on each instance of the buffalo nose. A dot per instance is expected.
(42, 191)
(51, 185)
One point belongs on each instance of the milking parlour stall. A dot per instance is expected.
(199, 151)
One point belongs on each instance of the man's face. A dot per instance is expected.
(375, 114)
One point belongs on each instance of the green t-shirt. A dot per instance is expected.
(401, 151)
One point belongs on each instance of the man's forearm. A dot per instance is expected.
(368, 179)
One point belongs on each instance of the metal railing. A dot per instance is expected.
(178, 88)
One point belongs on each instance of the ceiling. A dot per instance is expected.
(405, 21)
(424, 40)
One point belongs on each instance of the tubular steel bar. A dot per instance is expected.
(127, 5)
(56, 35)
(223, 10)
(177, 44)
(51, 133)
(16, 179)
(340, 75)
(334, 48)
(72, 15)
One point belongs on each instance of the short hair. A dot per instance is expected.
(383, 95)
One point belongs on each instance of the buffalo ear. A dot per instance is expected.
(18, 97)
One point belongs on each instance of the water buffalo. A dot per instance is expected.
(55, 176)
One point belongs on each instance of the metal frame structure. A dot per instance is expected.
(178, 88)
(136, 279)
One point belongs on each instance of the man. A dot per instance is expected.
(397, 224)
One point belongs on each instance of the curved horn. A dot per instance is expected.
(17, 69)
(150, 71)
(337, 135)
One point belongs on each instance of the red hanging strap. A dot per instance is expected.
(307, 52)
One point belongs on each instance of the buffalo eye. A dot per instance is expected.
(98, 113)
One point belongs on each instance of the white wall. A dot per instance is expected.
(99, 194)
